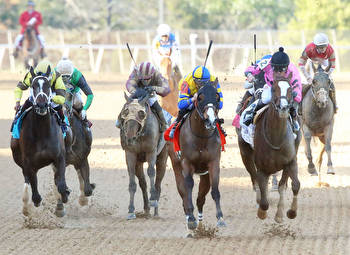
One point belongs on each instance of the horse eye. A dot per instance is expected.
(200, 97)
(126, 112)
(141, 115)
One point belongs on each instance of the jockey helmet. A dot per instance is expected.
(201, 75)
(163, 30)
(280, 60)
(42, 67)
(31, 3)
(321, 39)
(65, 67)
(145, 72)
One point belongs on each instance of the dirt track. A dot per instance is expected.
(321, 226)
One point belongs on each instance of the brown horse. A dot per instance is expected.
(169, 102)
(31, 47)
(275, 149)
(41, 144)
(139, 137)
(200, 154)
(318, 118)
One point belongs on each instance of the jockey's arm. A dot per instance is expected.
(161, 85)
(22, 20)
(39, 19)
(131, 83)
(87, 91)
(302, 62)
(22, 85)
(218, 90)
(60, 89)
(331, 63)
(295, 82)
(185, 98)
(253, 69)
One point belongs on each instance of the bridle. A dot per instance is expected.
(39, 79)
(133, 109)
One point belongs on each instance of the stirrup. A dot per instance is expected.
(172, 133)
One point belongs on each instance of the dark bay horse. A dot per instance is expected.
(275, 149)
(31, 47)
(81, 147)
(200, 154)
(318, 118)
(139, 137)
(40, 144)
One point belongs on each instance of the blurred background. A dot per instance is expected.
(94, 33)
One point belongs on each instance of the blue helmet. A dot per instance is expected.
(201, 75)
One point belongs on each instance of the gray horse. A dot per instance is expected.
(318, 118)
(139, 137)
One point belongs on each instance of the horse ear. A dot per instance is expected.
(320, 69)
(215, 83)
(31, 70)
(48, 71)
(126, 97)
(290, 76)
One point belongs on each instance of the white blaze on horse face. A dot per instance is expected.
(211, 114)
(41, 84)
(284, 86)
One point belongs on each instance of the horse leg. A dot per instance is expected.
(204, 187)
(143, 185)
(151, 172)
(262, 179)
(31, 176)
(160, 168)
(84, 170)
(247, 155)
(60, 179)
(131, 159)
(292, 169)
(83, 200)
(25, 197)
(281, 190)
(328, 147)
(307, 136)
(189, 183)
(214, 175)
(60, 210)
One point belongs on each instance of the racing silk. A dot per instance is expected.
(310, 52)
(57, 86)
(188, 88)
(158, 82)
(26, 17)
(295, 80)
(77, 79)
(165, 48)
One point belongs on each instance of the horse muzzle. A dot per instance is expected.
(41, 109)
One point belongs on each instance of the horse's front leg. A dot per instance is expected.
(160, 168)
(60, 178)
(131, 159)
(214, 174)
(151, 172)
(328, 147)
(143, 185)
(204, 187)
(293, 174)
(307, 136)
(281, 190)
(25, 196)
(30, 176)
(187, 171)
(262, 179)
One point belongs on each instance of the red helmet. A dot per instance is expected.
(145, 71)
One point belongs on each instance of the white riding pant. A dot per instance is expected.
(266, 94)
(20, 37)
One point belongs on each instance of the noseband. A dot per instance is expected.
(134, 107)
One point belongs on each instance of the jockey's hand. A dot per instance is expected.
(194, 98)
(83, 114)
(149, 89)
(250, 78)
(309, 80)
(17, 106)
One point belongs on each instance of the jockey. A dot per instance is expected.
(165, 44)
(146, 76)
(320, 52)
(188, 87)
(30, 18)
(57, 86)
(254, 83)
(74, 81)
(280, 66)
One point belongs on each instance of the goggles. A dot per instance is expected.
(201, 82)
(279, 68)
(321, 47)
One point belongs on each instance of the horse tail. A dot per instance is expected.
(320, 156)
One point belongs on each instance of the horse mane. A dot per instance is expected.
(140, 93)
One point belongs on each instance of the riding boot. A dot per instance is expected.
(157, 109)
(42, 53)
(179, 117)
(63, 124)
(293, 114)
(24, 107)
(15, 53)
(241, 104)
(221, 122)
(249, 117)
(333, 98)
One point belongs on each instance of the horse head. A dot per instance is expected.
(320, 87)
(282, 95)
(207, 104)
(41, 91)
(134, 115)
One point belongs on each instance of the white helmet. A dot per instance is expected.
(65, 67)
(321, 39)
(163, 29)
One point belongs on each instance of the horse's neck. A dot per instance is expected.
(275, 127)
(197, 125)
(44, 122)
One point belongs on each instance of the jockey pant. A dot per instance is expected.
(19, 40)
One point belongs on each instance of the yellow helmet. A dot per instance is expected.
(43, 66)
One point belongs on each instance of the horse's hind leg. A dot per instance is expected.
(247, 155)
(262, 179)
(204, 187)
(86, 188)
(143, 185)
(189, 183)
(307, 136)
(160, 168)
(293, 174)
(281, 190)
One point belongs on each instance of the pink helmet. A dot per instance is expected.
(145, 71)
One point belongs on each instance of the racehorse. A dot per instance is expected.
(80, 148)
(139, 137)
(40, 144)
(275, 149)
(31, 46)
(318, 118)
(169, 102)
(200, 154)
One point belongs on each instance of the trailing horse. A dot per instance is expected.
(140, 137)
(40, 144)
(200, 154)
(275, 149)
(318, 118)
(31, 47)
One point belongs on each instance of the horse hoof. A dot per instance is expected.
(83, 200)
(330, 171)
(262, 214)
(189, 235)
(192, 225)
(93, 185)
(291, 214)
(153, 203)
(131, 216)
(278, 219)
(312, 171)
(60, 212)
(221, 223)
(25, 211)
